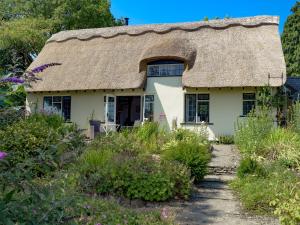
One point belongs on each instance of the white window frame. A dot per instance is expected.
(248, 100)
(163, 66)
(52, 109)
(144, 105)
(106, 109)
(197, 100)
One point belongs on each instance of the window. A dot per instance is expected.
(58, 104)
(248, 103)
(149, 105)
(165, 68)
(197, 108)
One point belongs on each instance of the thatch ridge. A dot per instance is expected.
(111, 32)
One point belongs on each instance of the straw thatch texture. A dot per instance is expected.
(219, 53)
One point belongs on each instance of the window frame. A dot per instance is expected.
(62, 101)
(244, 100)
(197, 101)
(146, 102)
(162, 64)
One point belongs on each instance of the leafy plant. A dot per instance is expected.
(133, 176)
(226, 139)
(249, 166)
(251, 132)
(190, 149)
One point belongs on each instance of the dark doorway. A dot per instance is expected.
(128, 110)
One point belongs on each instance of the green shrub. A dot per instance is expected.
(282, 145)
(40, 144)
(133, 176)
(288, 210)
(151, 137)
(10, 116)
(294, 120)
(26, 138)
(226, 139)
(249, 166)
(190, 149)
(251, 131)
(56, 203)
(257, 192)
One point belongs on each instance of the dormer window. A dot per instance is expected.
(165, 68)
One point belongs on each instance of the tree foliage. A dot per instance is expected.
(291, 41)
(25, 25)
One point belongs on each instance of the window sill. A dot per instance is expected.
(196, 123)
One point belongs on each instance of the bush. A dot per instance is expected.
(132, 176)
(251, 132)
(150, 137)
(40, 143)
(190, 149)
(282, 145)
(288, 210)
(249, 166)
(56, 203)
(257, 191)
(10, 116)
(226, 139)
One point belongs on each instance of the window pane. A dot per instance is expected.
(153, 70)
(203, 112)
(56, 98)
(66, 110)
(111, 109)
(249, 96)
(149, 111)
(47, 103)
(248, 106)
(149, 98)
(166, 69)
(203, 96)
(190, 108)
(57, 108)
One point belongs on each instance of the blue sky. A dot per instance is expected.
(168, 11)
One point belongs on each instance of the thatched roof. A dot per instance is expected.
(218, 53)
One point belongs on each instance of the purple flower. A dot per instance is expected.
(41, 68)
(3, 155)
(15, 80)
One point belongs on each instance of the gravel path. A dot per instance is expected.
(212, 201)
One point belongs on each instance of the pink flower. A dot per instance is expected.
(164, 214)
(3, 155)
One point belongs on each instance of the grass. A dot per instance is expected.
(268, 177)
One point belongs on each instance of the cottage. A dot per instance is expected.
(187, 74)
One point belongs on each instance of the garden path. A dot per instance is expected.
(212, 201)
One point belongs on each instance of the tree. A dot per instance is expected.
(25, 25)
(24, 38)
(291, 41)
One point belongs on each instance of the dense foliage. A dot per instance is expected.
(25, 25)
(146, 163)
(190, 149)
(268, 176)
(42, 181)
(291, 41)
(39, 178)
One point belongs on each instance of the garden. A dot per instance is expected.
(269, 174)
(50, 175)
